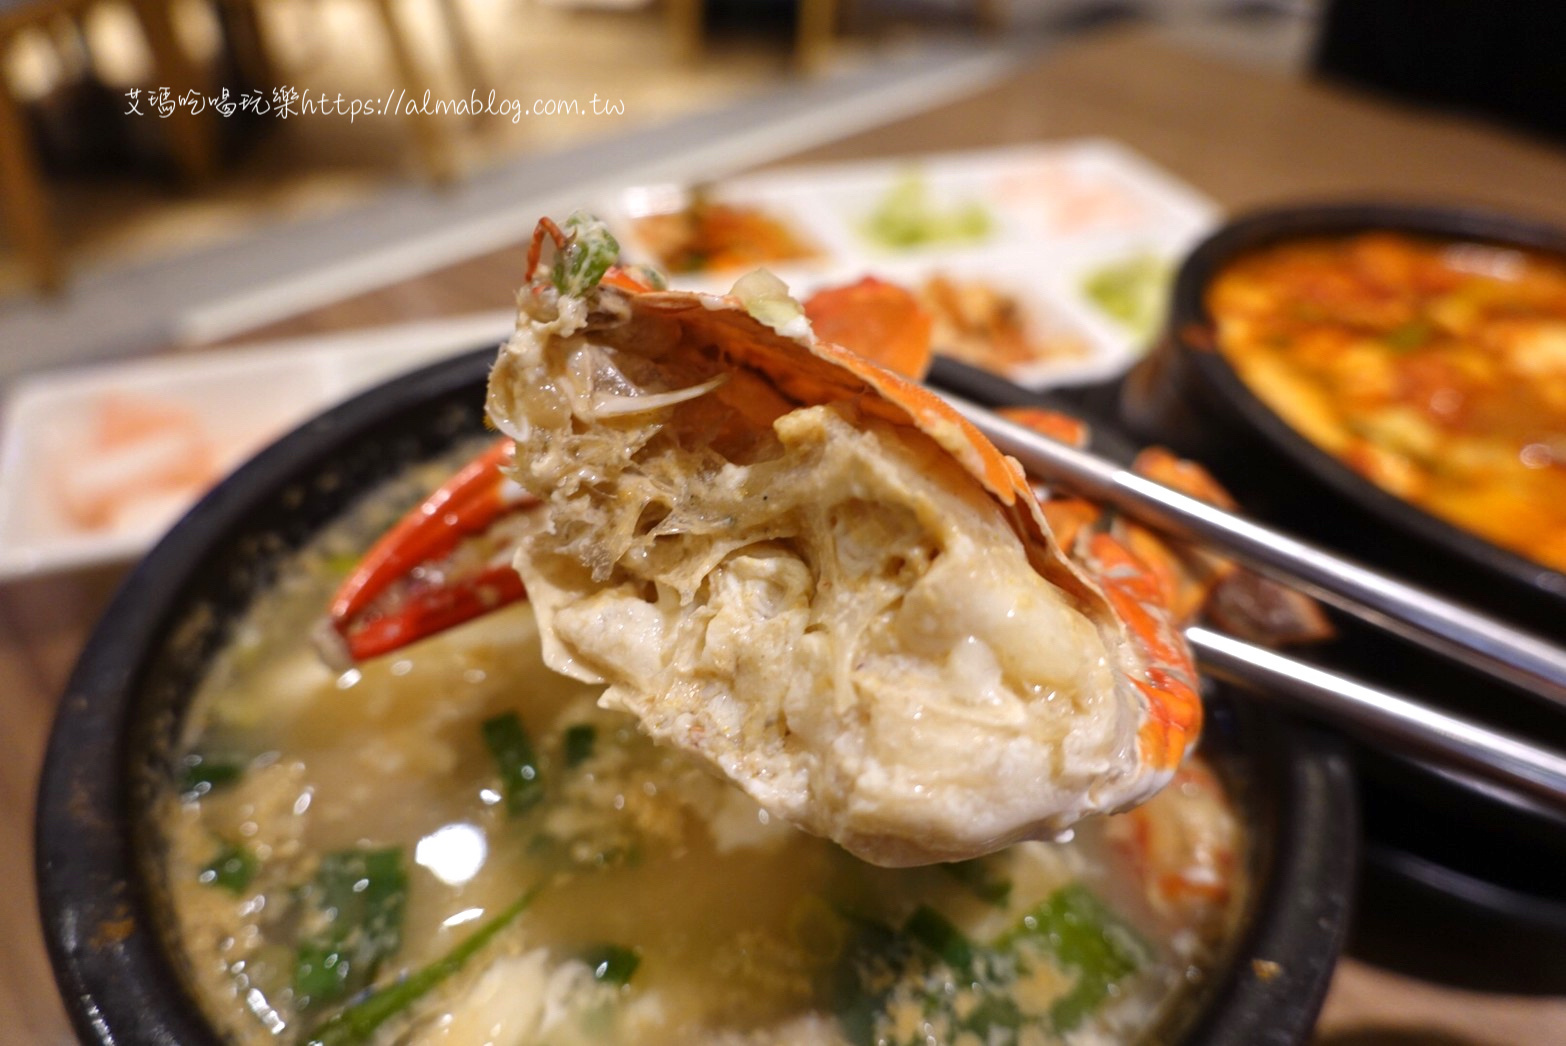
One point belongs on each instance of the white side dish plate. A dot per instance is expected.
(1045, 226)
(97, 462)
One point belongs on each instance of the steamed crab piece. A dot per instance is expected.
(819, 579)
(414, 582)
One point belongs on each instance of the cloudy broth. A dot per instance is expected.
(452, 844)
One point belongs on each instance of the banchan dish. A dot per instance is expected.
(105, 901)
(1188, 394)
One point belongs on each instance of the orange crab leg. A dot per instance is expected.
(433, 610)
(535, 249)
(1062, 428)
(1174, 706)
(464, 504)
(625, 280)
(467, 504)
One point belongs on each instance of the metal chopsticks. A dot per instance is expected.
(1422, 617)
(1377, 715)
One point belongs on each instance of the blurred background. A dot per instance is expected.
(218, 217)
(156, 159)
(161, 164)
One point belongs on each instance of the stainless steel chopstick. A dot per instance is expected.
(1422, 617)
(1377, 715)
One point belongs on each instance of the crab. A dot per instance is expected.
(789, 559)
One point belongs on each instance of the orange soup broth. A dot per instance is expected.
(1435, 369)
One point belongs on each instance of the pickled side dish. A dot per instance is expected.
(711, 236)
(1434, 368)
(455, 845)
(908, 216)
(983, 324)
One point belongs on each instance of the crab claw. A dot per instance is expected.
(397, 595)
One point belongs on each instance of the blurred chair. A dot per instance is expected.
(816, 22)
(191, 140)
(433, 143)
(245, 40)
(190, 137)
(21, 186)
(1500, 58)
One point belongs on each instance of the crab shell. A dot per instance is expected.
(1153, 674)
(809, 371)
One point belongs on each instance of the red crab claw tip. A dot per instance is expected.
(467, 504)
(434, 610)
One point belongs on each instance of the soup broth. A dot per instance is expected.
(1435, 369)
(455, 845)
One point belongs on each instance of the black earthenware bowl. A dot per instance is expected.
(103, 898)
(1448, 850)
(1188, 395)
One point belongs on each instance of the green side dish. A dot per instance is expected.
(907, 218)
(1131, 292)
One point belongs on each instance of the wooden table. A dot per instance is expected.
(1245, 137)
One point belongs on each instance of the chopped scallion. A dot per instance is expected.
(201, 774)
(933, 930)
(232, 869)
(358, 1023)
(1083, 935)
(515, 758)
(611, 963)
(975, 876)
(589, 254)
(361, 896)
(578, 744)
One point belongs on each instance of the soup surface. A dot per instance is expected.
(455, 845)
(1435, 369)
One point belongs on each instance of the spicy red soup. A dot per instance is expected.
(1436, 369)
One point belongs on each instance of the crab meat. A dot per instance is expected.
(815, 577)
(797, 565)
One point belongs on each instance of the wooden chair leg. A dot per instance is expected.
(471, 69)
(248, 38)
(25, 202)
(813, 36)
(191, 135)
(684, 20)
(431, 142)
(70, 45)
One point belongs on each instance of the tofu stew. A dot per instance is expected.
(452, 844)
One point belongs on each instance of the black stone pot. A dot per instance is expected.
(104, 903)
(1486, 859)
(1187, 395)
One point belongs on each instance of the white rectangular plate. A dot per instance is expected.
(241, 399)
